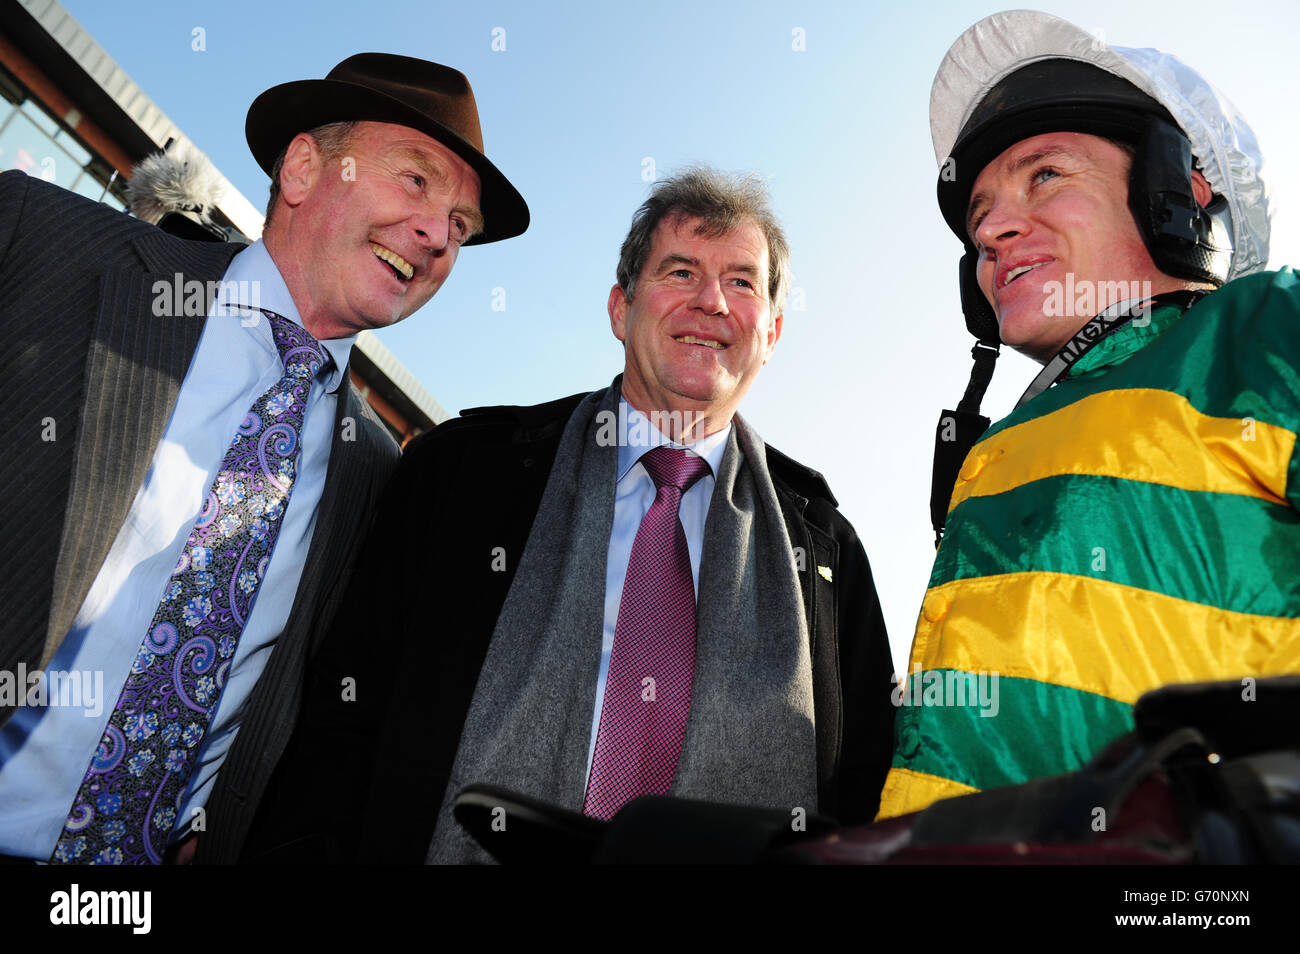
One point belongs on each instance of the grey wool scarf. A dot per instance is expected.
(750, 738)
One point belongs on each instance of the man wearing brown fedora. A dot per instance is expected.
(190, 480)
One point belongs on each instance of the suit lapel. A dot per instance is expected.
(134, 369)
(338, 521)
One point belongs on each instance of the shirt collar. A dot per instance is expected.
(1130, 337)
(253, 281)
(637, 435)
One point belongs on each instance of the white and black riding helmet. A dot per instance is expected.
(1022, 73)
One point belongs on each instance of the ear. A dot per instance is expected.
(301, 169)
(618, 305)
(774, 335)
(1201, 188)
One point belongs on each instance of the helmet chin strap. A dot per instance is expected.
(960, 430)
(1107, 321)
(957, 432)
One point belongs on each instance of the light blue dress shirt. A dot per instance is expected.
(633, 495)
(45, 751)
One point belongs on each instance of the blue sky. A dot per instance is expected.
(582, 96)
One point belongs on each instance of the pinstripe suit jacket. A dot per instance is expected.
(91, 376)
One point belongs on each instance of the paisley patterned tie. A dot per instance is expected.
(652, 664)
(127, 804)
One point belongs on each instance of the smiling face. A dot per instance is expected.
(1049, 207)
(699, 325)
(365, 240)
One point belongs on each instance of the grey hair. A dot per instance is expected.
(722, 203)
(332, 139)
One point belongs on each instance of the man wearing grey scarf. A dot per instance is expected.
(787, 703)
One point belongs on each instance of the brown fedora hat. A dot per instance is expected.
(387, 88)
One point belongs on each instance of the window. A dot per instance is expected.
(33, 140)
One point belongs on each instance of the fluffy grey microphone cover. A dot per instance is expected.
(180, 180)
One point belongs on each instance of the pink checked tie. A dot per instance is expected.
(652, 664)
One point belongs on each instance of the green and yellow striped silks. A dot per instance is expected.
(1134, 526)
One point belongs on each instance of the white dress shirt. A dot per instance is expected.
(44, 752)
(633, 495)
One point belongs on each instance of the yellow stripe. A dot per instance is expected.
(1137, 434)
(1102, 637)
(908, 791)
